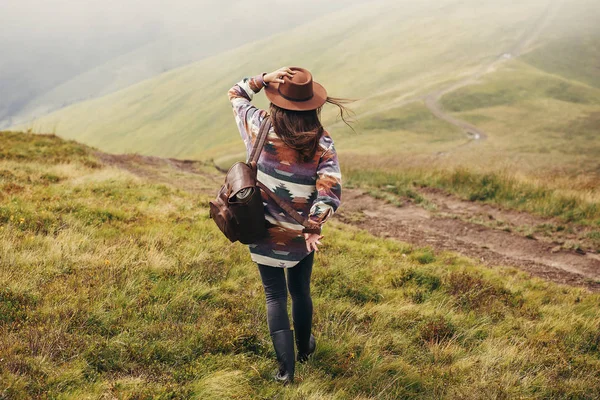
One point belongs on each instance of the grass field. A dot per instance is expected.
(116, 286)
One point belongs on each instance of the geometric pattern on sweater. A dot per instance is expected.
(312, 188)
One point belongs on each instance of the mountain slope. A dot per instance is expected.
(161, 46)
(411, 48)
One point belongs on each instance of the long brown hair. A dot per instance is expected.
(302, 130)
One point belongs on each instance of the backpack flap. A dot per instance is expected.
(241, 182)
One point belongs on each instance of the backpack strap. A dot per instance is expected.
(309, 226)
(263, 132)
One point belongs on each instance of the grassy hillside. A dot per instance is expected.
(170, 47)
(115, 285)
(413, 47)
(542, 153)
(543, 111)
(540, 111)
(545, 120)
(570, 44)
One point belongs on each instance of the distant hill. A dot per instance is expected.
(379, 52)
(412, 50)
(91, 72)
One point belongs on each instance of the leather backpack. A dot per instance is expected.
(238, 209)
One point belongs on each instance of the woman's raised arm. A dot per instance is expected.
(241, 94)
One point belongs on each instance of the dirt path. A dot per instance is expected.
(445, 230)
(475, 134)
(182, 174)
(488, 234)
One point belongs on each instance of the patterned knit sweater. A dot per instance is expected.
(312, 188)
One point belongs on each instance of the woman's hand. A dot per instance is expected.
(278, 75)
(312, 240)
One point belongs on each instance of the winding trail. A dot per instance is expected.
(475, 134)
(432, 99)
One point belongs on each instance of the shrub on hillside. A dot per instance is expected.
(436, 330)
(14, 305)
(473, 292)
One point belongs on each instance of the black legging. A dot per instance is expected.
(298, 283)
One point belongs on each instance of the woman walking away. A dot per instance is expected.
(299, 164)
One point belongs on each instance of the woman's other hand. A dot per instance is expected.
(278, 75)
(312, 240)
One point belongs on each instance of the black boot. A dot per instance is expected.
(306, 345)
(283, 341)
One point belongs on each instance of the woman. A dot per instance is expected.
(299, 164)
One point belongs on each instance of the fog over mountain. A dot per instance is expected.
(58, 52)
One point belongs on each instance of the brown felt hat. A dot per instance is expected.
(299, 93)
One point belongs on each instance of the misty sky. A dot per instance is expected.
(78, 34)
(45, 43)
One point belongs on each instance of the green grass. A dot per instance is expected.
(519, 90)
(115, 286)
(413, 118)
(44, 149)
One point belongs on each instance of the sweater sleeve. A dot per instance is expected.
(247, 116)
(329, 187)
